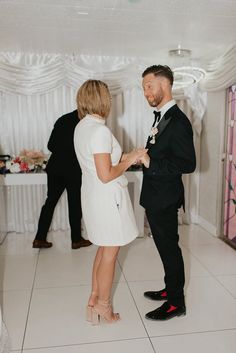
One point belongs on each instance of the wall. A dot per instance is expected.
(211, 166)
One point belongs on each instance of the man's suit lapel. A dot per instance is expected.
(163, 124)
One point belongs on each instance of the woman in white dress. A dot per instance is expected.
(106, 206)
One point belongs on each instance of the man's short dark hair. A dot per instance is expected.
(160, 70)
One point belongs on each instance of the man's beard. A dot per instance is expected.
(155, 102)
(152, 104)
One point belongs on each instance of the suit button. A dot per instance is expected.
(153, 173)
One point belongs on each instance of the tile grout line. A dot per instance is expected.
(29, 305)
(211, 274)
(149, 338)
(84, 344)
(196, 332)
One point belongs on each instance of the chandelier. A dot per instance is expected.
(184, 73)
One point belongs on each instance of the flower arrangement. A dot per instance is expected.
(27, 161)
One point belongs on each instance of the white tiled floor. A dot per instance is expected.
(44, 293)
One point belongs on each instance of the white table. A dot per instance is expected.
(22, 196)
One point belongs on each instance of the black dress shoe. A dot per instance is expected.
(158, 295)
(166, 312)
(39, 244)
(81, 244)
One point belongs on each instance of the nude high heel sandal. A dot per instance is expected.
(93, 297)
(102, 312)
(89, 309)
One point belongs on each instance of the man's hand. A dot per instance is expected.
(145, 159)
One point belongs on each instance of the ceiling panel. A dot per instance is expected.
(147, 28)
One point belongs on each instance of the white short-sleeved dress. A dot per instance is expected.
(107, 210)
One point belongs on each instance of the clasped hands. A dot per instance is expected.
(138, 156)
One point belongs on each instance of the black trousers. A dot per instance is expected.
(164, 228)
(56, 184)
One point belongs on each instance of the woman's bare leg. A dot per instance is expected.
(105, 276)
(94, 291)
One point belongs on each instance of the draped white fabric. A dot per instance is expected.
(27, 121)
(198, 102)
(221, 73)
(36, 89)
(40, 73)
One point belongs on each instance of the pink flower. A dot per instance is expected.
(32, 154)
(24, 167)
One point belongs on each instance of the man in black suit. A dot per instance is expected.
(63, 172)
(170, 154)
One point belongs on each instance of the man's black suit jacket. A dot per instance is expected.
(63, 159)
(171, 156)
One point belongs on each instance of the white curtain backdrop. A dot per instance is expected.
(37, 89)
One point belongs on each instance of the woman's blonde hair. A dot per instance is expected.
(93, 97)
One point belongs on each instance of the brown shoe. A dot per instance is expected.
(81, 244)
(38, 244)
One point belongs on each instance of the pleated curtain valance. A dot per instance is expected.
(30, 74)
(221, 73)
(35, 75)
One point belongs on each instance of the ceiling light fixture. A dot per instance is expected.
(82, 13)
(184, 73)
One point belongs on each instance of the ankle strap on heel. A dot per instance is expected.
(105, 303)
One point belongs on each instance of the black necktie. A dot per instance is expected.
(157, 117)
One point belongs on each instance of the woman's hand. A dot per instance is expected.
(135, 156)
